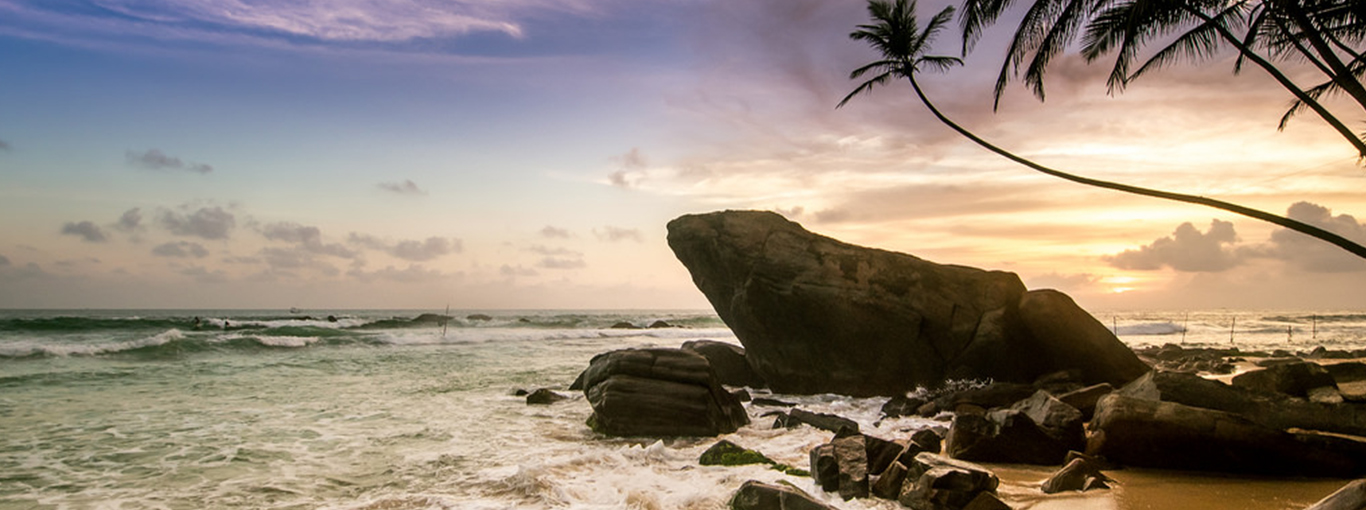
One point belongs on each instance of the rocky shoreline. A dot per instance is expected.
(1018, 377)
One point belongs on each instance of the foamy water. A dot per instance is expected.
(369, 412)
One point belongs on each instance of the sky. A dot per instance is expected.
(527, 154)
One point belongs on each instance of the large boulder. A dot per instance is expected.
(817, 315)
(1167, 435)
(659, 393)
(728, 360)
(1294, 379)
(934, 482)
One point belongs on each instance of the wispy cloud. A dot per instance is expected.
(85, 230)
(130, 221)
(561, 263)
(154, 159)
(308, 238)
(613, 234)
(411, 250)
(5, 146)
(180, 249)
(406, 187)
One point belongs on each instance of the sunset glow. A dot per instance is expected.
(528, 154)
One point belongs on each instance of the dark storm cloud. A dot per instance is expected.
(85, 230)
(154, 159)
(1186, 250)
(180, 249)
(206, 222)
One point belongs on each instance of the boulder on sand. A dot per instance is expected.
(820, 316)
(762, 496)
(659, 393)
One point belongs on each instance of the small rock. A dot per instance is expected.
(479, 317)
(660, 325)
(772, 403)
(741, 395)
(755, 495)
(821, 421)
(936, 482)
(1077, 475)
(544, 396)
(726, 453)
(852, 458)
(901, 405)
(986, 501)
(625, 325)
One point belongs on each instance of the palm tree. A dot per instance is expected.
(1313, 30)
(895, 33)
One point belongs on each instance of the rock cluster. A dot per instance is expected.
(659, 393)
(820, 316)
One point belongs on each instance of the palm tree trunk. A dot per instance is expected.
(1281, 78)
(1304, 228)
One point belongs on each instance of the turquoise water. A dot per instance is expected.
(141, 409)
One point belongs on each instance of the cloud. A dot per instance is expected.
(414, 273)
(5, 146)
(507, 270)
(561, 263)
(1186, 250)
(1312, 254)
(181, 249)
(206, 222)
(412, 250)
(85, 230)
(632, 169)
(307, 237)
(555, 232)
(614, 234)
(549, 251)
(296, 257)
(419, 251)
(4, 261)
(202, 275)
(130, 221)
(154, 159)
(406, 187)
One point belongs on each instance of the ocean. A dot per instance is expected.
(191, 409)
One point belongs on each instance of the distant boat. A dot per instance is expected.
(295, 310)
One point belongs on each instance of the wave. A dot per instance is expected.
(1151, 328)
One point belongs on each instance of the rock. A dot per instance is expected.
(577, 385)
(544, 396)
(726, 453)
(1350, 379)
(934, 482)
(820, 316)
(768, 402)
(659, 393)
(660, 324)
(998, 394)
(1005, 436)
(1294, 379)
(901, 405)
(821, 421)
(478, 317)
(1077, 475)
(1085, 399)
(1271, 362)
(1272, 410)
(1071, 338)
(888, 484)
(1167, 435)
(728, 360)
(986, 501)
(1060, 421)
(852, 458)
(761, 496)
(742, 395)
(1324, 395)
(624, 325)
(928, 440)
(881, 453)
(1350, 497)
(520, 392)
(825, 468)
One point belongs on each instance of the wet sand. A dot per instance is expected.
(1145, 489)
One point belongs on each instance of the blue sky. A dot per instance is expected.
(527, 154)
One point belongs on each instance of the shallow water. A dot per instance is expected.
(369, 414)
